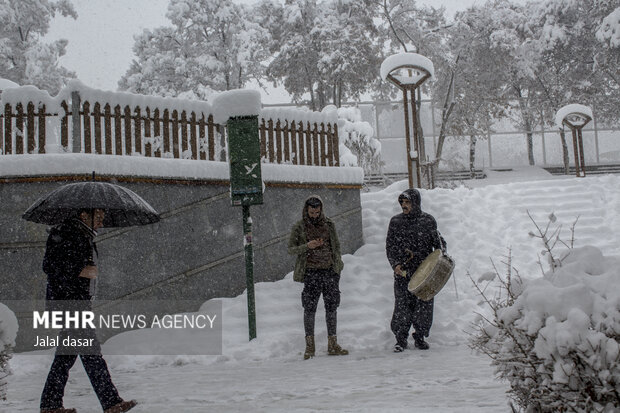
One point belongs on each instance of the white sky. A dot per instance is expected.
(101, 39)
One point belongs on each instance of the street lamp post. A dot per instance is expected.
(575, 117)
(408, 71)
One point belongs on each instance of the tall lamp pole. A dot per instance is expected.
(408, 71)
(575, 117)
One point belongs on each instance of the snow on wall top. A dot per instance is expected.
(237, 102)
(398, 60)
(132, 99)
(138, 166)
(25, 94)
(300, 115)
(6, 83)
(568, 109)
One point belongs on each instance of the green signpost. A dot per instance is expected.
(246, 188)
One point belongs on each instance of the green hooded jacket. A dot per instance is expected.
(298, 244)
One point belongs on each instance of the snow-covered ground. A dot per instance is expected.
(268, 374)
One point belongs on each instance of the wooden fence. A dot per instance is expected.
(108, 129)
(299, 143)
(25, 131)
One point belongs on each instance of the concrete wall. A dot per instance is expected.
(194, 253)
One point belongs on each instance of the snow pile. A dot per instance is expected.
(556, 338)
(8, 333)
(567, 110)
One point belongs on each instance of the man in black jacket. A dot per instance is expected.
(411, 237)
(70, 266)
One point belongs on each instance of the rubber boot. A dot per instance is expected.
(333, 349)
(309, 353)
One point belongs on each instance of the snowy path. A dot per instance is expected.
(268, 374)
(364, 382)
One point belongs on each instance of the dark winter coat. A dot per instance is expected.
(69, 249)
(411, 237)
(298, 245)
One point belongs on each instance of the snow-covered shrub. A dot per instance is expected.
(8, 332)
(556, 339)
(358, 137)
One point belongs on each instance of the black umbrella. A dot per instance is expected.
(123, 207)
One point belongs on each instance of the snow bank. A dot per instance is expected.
(569, 109)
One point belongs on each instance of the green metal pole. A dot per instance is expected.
(249, 270)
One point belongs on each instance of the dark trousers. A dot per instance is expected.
(317, 282)
(96, 369)
(410, 311)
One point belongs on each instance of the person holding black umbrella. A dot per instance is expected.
(69, 263)
(77, 211)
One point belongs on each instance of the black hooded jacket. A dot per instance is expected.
(69, 249)
(411, 237)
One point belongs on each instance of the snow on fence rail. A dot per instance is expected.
(84, 120)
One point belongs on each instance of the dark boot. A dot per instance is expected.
(398, 348)
(420, 343)
(121, 407)
(58, 410)
(310, 350)
(333, 349)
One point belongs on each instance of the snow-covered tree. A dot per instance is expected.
(24, 57)
(359, 137)
(349, 54)
(327, 50)
(211, 46)
(503, 23)
(477, 78)
(576, 43)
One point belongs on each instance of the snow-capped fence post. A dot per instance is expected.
(408, 71)
(575, 117)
